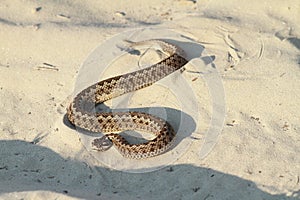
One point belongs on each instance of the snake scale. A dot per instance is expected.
(81, 111)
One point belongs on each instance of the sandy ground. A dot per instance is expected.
(255, 48)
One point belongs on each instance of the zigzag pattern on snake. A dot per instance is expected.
(80, 112)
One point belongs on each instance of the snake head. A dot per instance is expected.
(101, 144)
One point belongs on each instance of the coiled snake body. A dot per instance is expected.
(80, 110)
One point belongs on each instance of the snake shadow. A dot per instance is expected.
(27, 167)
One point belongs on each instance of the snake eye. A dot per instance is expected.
(101, 144)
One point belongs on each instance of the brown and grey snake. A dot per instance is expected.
(80, 112)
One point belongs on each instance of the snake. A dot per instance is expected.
(81, 111)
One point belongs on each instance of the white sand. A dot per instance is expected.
(256, 48)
